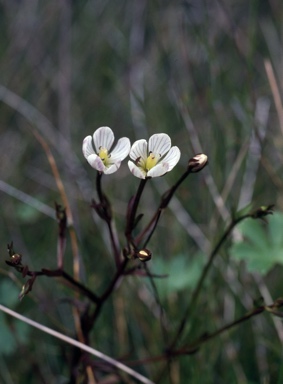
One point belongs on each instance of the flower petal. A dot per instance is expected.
(121, 150)
(136, 171)
(103, 137)
(172, 158)
(96, 162)
(159, 170)
(139, 150)
(159, 143)
(166, 164)
(87, 147)
(113, 168)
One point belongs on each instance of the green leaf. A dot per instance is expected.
(9, 293)
(8, 343)
(262, 244)
(11, 336)
(183, 273)
(27, 213)
(247, 209)
(19, 332)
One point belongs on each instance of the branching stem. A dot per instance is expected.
(203, 276)
(166, 198)
(107, 216)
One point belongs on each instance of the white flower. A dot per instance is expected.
(148, 159)
(102, 159)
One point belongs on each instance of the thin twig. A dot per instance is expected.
(259, 213)
(60, 273)
(202, 278)
(194, 346)
(158, 302)
(108, 291)
(254, 312)
(165, 200)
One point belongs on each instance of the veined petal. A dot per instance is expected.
(113, 168)
(159, 144)
(87, 147)
(96, 162)
(138, 152)
(158, 170)
(103, 137)
(121, 150)
(139, 149)
(172, 158)
(136, 171)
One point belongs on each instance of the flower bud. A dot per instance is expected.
(16, 259)
(144, 254)
(26, 288)
(263, 211)
(198, 162)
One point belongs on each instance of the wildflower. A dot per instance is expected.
(155, 158)
(101, 158)
(198, 162)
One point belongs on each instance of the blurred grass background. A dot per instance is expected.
(206, 73)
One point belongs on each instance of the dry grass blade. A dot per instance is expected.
(27, 199)
(73, 236)
(275, 91)
(64, 198)
(77, 344)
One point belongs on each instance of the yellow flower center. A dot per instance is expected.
(151, 161)
(103, 154)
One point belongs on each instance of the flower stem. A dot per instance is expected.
(133, 211)
(165, 200)
(98, 186)
(119, 273)
(195, 345)
(107, 216)
(114, 242)
(202, 278)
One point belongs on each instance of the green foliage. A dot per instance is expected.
(262, 245)
(26, 213)
(180, 272)
(11, 332)
(8, 292)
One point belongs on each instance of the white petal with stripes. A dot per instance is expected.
(154, 158)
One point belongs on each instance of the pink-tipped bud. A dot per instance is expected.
(198, 162)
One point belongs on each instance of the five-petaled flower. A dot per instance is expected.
(102, 159)
(155, 158)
